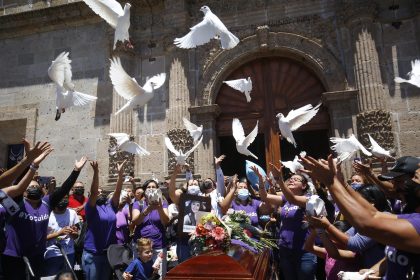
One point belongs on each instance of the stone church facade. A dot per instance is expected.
(344, 53)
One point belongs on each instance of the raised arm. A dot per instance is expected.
(7, 178)
(334, 233)
(115, 200)
(272, 199)
(310, 246)
(58, 195)
(332, 250)
(174, 194)
(384, 228)
(95, 185)
(220, 178)
(226, 203)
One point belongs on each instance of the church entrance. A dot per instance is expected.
(279, 85)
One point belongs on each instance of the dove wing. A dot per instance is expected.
(238, 84)
(237, 130)
(415, 67)
(124, 85)
(198, 35)
(189, 125)
(134, 148)
(171, 147)
(80, 99)
(302, 116)
(157, 80)
(109, 10)
(375, 145)
(60, 69)
(195, 147)
(120, 137)
(360, 146)
(251, 137)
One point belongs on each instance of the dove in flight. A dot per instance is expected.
(128, 88)
(295, 119)
(243, 85)
(354, 275)
(346, 148)
(60, 73)
(124, 144)
(377, 150)
(295, 165)
(242, 142)
(210, 27)
(114, 14)
(180, 156)
(414, 74)
(194, 130)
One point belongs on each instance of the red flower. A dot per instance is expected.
(200, 230)
(247, 232)
(218, 233)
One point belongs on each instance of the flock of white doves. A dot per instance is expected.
(211, 27)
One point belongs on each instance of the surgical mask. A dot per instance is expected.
(34, 193)
(264, 218)
(79, 191)
(243, 194)
(193, 189)
(356, 186)
(62, 204)
(101, 200)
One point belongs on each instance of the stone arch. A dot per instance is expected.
(264, 44)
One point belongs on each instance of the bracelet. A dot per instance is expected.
(33, 167)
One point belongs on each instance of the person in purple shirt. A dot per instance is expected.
(32, 221)
(151, 220)
(295, 263)
(101, 229)
(123, 218)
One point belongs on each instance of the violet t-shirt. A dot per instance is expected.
(122, 231)
(26, 231)
(291, 234)
(101, 227)
(399, 263)
(250, 209)
(369, 250)
(151, 227)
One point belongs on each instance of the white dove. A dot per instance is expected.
(124, 144)
(210, 27)
(295, 119)
(414, 74)
(129, 89)
(354, 275)
(194, 130)
(377, 150)
(242, 142)
(243, 85)
(113, 13)
(180, 156)
(346, 148)
(66, 96)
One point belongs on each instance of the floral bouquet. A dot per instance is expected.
(209, 234)
(241, 229)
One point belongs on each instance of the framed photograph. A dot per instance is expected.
(191, 209)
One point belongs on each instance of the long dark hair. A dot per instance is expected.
(373, 194)
(249, 199)
(144, 186)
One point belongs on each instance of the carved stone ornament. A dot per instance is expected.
(262, 35)
(378, 124)
(117, 156)
(181, 140)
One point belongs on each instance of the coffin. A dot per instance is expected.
(238, 263)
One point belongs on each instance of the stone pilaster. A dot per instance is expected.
(206, 115)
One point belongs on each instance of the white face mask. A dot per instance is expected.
(193, 189)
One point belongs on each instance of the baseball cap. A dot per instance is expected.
(403, 166)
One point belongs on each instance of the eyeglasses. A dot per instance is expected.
(295, 179)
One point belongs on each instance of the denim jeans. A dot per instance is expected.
(96, 267)
(56, 264)
(297, 264)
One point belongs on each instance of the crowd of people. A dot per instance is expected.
(371, 225)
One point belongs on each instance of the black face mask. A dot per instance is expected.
(101, 200)
(34, 193)
(62, 204)
(79, 191)
(411, 195)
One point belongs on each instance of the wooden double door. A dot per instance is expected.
(279, 85)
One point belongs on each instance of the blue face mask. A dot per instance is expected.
(356, 186)
(243, 194)
(264, 218)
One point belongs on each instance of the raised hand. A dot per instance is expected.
(45, 149)
(94, 165)
(37, 150)
(323, 171)
(78, 165)
(120, 168)
(218, 160)
(318, 222)
(276, 171)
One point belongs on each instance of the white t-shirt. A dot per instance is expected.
(56, 223)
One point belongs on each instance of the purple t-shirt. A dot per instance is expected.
(101, 227)
(399, 263)
(292, 235)
(369, 250)
(122, 232)
(250, 209)
(151, 227)
(26, 232)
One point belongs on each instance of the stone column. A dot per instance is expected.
(206, 115)
(373, 117)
